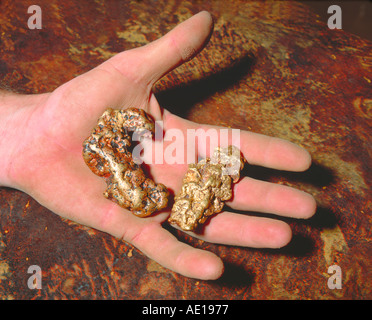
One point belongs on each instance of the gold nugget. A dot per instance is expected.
(206, 186)
(107, 153)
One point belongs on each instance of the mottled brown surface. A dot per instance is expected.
(271, 68)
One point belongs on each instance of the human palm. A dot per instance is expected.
(49, 166)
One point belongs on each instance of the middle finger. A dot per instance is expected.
(255, 195)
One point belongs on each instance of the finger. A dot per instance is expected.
(149, 63)
(257, 149)
(145, 234)
(161, 246)
(241, 230)
(84, 207)
(87, 93)
(260, 196)
(273, 152)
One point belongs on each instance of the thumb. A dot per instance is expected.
(149, 63)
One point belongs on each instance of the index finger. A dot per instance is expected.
(257, 149)
(275, 153)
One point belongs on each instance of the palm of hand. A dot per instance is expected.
(51, 169)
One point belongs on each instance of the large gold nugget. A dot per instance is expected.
(206, 186)
(107, 153)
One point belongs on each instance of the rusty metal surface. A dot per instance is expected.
(271, 67)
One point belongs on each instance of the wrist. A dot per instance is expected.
(14, 112)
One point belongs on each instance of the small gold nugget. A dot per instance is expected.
(107, 153)
(206, 186)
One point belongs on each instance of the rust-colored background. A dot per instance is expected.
(271, 67)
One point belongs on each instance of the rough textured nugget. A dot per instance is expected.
(107, 153)
(206, 186)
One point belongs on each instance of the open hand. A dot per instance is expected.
(44, 158)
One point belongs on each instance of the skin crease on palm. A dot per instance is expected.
(41, 154)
